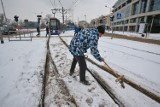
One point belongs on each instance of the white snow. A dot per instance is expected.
(22, 67)
(21, 63)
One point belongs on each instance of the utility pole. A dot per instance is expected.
(3, 11)
(151, 24)
(54, 11)
(85, 20)
(62, 15)
(63, 11)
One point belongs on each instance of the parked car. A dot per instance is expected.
(8, 30)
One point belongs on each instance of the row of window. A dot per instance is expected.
(156, 20)
(148, 28)
(138, 7)
(154, 5)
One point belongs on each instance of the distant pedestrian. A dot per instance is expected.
(2, 41)
(47, 29)
(1, 37)
(85, 39)
(76, 29)
(38, 31)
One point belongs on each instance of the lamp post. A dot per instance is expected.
(85, 20)
(4, 11)
(151, 24)
(54, 11)
(16, 19)
(109, 8)
(111, 20)
(110, 14)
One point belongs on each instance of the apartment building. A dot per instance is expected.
(101, 20)
(129, 14)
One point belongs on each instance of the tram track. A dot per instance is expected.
(103, 84)
(146, 92)
(149, 60)
(63, 90)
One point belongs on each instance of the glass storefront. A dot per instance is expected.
(155, 26)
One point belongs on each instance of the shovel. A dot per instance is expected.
(120, 78)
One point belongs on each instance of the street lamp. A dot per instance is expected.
(4, 11)
(85, 20)
(111, 20)
(109, 8)
(110, 14)
(54, 11)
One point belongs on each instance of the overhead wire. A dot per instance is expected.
(54, 2)
(73, 4)
(51, 3)
(60, 3)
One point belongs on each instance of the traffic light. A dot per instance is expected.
(39, 15)
(39, 18)
(16, 18)
(111, 18)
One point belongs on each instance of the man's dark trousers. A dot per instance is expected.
(82, 65)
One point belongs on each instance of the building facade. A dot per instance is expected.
(101, 20)
(129, 14)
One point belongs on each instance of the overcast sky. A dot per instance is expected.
(28, 9)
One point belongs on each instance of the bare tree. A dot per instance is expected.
(48, 16)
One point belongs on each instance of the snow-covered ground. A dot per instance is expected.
(22, 67)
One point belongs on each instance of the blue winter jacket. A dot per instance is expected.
(85, 39)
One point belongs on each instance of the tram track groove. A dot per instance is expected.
(59, 81)
(140, 50)
(149, 60)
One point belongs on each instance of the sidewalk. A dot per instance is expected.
(151, 38)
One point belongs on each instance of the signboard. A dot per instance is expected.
(119, 16)
(141, 28)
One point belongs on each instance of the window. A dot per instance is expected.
(133, 20)
(132, 28)
(141, 19)
(127, 11)
(53, 23)
(155, 5)
(135, 8)
(128, 1)
(143, 6)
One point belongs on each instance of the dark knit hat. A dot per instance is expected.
(101, 29)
